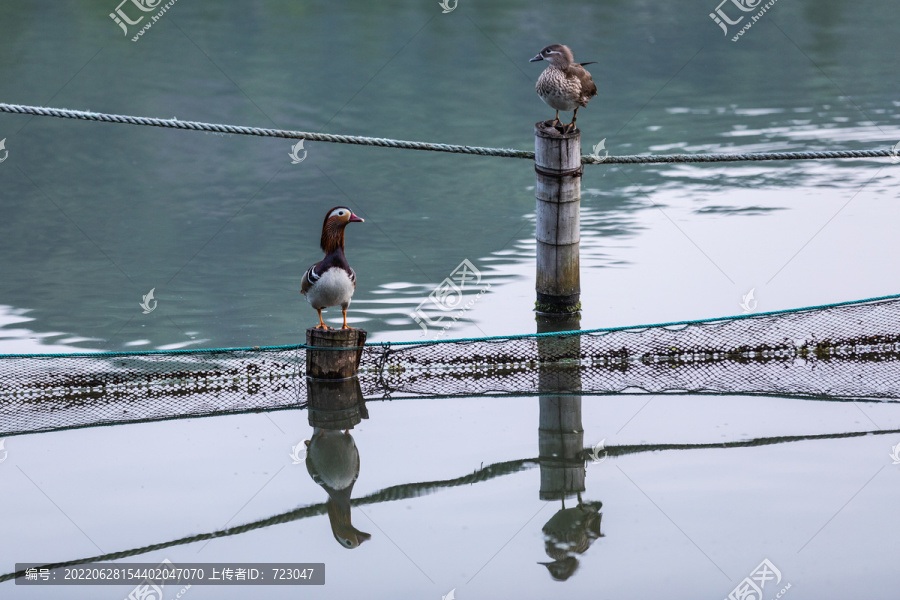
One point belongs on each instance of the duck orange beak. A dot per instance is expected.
(355, 219)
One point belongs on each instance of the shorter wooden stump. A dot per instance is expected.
(333, 353)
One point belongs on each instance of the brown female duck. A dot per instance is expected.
(564, 84)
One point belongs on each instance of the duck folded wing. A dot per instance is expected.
(588, 87)
(310, 278)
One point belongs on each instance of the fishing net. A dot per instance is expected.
(841, 351)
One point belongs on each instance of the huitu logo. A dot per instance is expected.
(752, 587)
(722, 20)
(895, 153)
(121, 18)
(448, 296)
(445, 4)
(596, 458)
(450, 595)
(145, 303)
(598, 148)
(295, 151)
(895, 453)
(298, 453)
(3, 452)
(748, 302)
(3, 148)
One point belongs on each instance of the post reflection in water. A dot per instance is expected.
(570, 531)
(332, 457)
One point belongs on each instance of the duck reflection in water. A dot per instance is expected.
(332, 460)
(569, 532)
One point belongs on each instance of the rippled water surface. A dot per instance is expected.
(93, 216)
(222, 227)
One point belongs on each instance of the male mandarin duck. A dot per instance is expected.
(331, 281)
(564, 84)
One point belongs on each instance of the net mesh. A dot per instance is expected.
(846, 351)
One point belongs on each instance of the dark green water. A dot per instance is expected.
(94, 216)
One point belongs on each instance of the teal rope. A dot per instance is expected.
(587, 159)
(602, 330)
(167, 352)
(64, 113)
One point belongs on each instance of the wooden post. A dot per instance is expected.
(333, 392)
(560, 433)
(324, 363)
(557, 164)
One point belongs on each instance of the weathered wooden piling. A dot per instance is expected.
(333, 392)
(560, 432)
(322, 362)
(557, 165)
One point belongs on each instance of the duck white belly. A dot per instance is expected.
(334, 457)
(334, 288)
